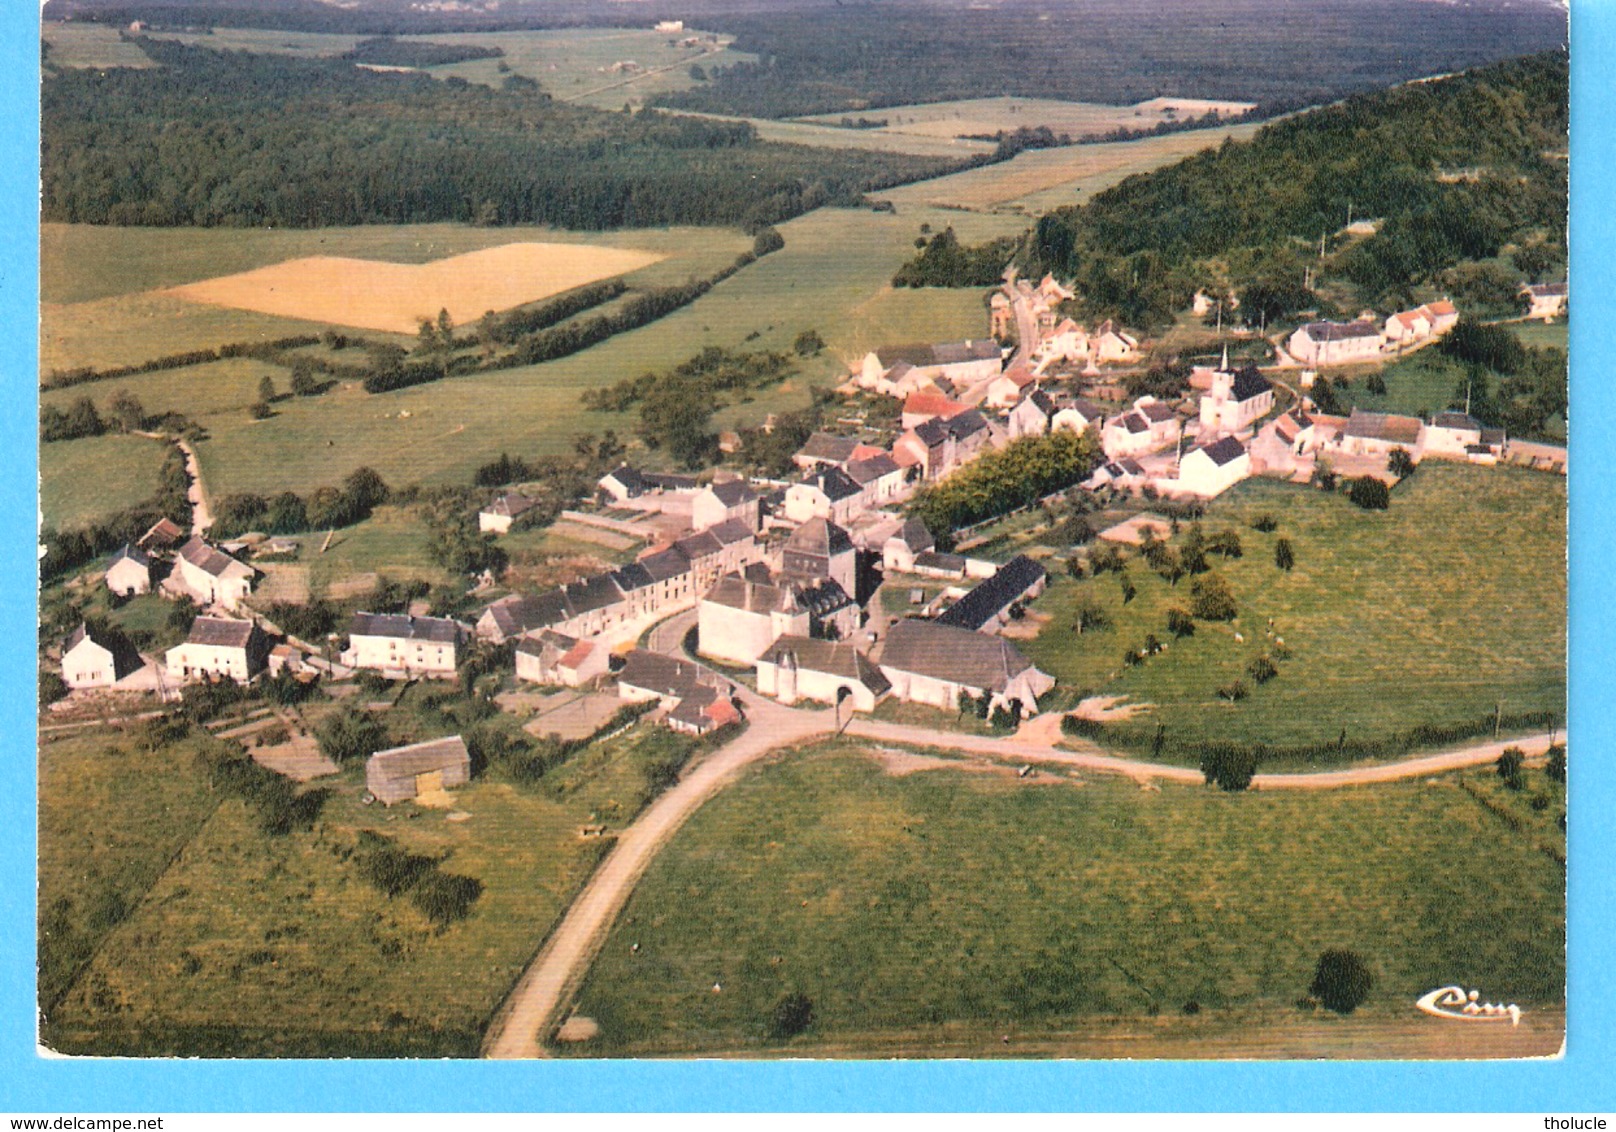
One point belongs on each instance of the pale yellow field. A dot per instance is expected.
(377, 295)
(976, 117)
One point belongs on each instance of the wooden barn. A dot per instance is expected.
(419, 771)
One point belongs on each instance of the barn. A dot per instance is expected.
(402, 774)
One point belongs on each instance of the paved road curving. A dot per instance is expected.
(537, 1003)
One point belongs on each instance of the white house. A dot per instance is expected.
(719, 502)
(1432, 320)
(210, 576)
(826, 493)
(964, 363)
(1335, 343)
(1545, 300)
(1213, 468)
(825, 448)
(129, 572)
(1151, 425)
(415, 646)
(898, 552)
(831, 672)
(97, 658)
(1077, 415)
(1068, 342)
(219, 648)
(1032, 416)
(1111, 343)
(929, 663)
(498, 516)
(1452, 434)
(879, 477)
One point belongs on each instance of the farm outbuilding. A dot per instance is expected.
(421, 769)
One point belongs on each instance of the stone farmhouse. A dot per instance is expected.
(899, 550)
(418, 772)
(825, 493)
(1376, 434)
(1545, 300)
(1459, 436)
(963, 363)
(219, 648)
(1077, 415)
(825, 449)
(1111, 343)
(1033, 415)
(549, 657)
(733, 500)
(929, 404)
(498, 516)
(929, 663)
(623, 484)
(163, 536)
(130, 572)
(697, 700)
(1423, 323)
(880, 478)
(740, 619)
(820, 550)
(400, 643)
(1335, 343)
(209, 576)
(797, 668)
(97, 658)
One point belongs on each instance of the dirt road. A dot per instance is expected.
(535, 1006)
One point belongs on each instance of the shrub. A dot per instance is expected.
(1284, 556)
(349, 735)
(1369, 493)
(1555, 768)
(1210, 599)
(1342, 981)
(1265, 523)
(1180, 623)
(793, 1014)
(1229, 768)
(1261, 670)
(1233, 692)
(446, 897)
(1510, 767)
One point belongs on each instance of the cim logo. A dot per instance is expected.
(1455, 1002)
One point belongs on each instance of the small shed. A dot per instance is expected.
(405, 773)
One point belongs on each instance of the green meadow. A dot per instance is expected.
(83, 480)
(938, 910)
(1447, 607)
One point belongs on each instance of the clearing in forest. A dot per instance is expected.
(377, 295)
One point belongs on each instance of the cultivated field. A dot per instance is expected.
(981, 117)
(82, 480)
(394, 297)
(834, 137)
(1038, 180)
(95, 46)
(1439, 610)
(941, 913)
(254, 945)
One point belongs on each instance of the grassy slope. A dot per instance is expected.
(294, 953)
(110, 819)
(90, 45)
(1431, 612)
(83, 480)
(905, 906)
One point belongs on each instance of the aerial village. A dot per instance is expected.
(764, 588)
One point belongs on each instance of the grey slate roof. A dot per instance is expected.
(133, 553)
(819, 537)
(204, 557)
(665, 564)
(125, 657)
(1461, 421)
(1223, 451)
(942, 353)
(835, 483)
(935, 560)
(994, 595)
(947, 652)
(512, 504)
(835, 658)
(733, 493)
(519, 614)
(1383, 426)
(828, 447)
(1156, 412)
(916, 536)
(872, 469)
(825, 598)
(630, 479)
(1341, 331)
(735, 592)
(660, 674)
(406, 628)
(1248, 383)
(966, 424)
(221, 631)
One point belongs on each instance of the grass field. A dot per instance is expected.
(251, 945)
(226, 386)
(937, 911)
(92, 873)
(394, 297)
(1038, 180)
(834, 137)
(93, 46)
(81, 480)
(1534, 333)
(1435, 611)
(266, 41)
(978, 117)
(392, 541)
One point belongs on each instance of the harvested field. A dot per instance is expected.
(393, 297)
(597, 535)
(983, 117)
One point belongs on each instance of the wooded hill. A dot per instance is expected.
(1452, 170)
(215, 138)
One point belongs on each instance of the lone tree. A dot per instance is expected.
(1369, 493)
(1180, 624)
(808, 343)
(1399, 463)
(1510, 766)
(793, 1014)
(266, 389)
(1284, 556)
(1342, 980)
(1210, 599)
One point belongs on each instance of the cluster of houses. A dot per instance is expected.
(1327, 343)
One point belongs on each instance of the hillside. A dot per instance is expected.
(1452, 172)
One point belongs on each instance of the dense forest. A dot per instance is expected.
(1119, 51)
(1451, 171)
(213, 138)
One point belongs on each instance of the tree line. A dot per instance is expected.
(210, 138)
(1017, 475)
